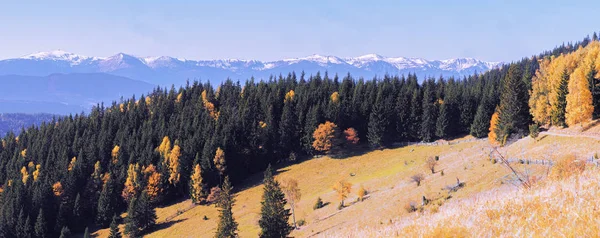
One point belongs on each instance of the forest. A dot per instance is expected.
(81, 171)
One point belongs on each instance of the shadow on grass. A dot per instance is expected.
(165, 225)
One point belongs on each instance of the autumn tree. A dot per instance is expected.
(292, 194)
(492, 136)
(174, 165)
(579, 100)
(362, 192)
(132, 183)
(325, 137)
(197, 190)
(431, 163)
(351, 136)
(219, 161)
(343, 188)
(154, 185)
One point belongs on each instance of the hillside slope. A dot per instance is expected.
(385, 174)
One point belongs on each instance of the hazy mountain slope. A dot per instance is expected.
(65, 93)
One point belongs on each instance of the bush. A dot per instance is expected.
(534, 130)
(205, 218)
(301, 222)
(319, 204)
(340, 206)
(410, 207)
(213, 197)
(566, 167)
(417, 178)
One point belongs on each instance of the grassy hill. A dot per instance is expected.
(386, 175)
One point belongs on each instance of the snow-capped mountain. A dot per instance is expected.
(165, 70)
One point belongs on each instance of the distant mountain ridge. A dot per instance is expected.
(165, 70)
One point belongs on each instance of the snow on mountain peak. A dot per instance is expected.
(57, 55)
(316, 58)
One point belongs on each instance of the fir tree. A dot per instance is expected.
(441, 124)
(114, 228)
(558, 114)
(65, 232)
(273, 215)
(227, 227)
(513, 105)
(107, 203)
(41, 226)
(428, 119)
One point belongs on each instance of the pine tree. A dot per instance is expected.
(140, 215)
(114, 228)
(132, 228)
(441, 124)
(65, 232)
(428, 119)
(273, 215)
(227, 227)
(107, 203)
(377, 124)
(86, 233)
(513, 110)
(558, 114)
(41, 226)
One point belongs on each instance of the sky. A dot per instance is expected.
(271, 30)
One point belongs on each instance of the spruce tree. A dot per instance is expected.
(132, 226)
(273, 215)
(227, 227)
(145, 212)
(441, 125)
(377, 124)
(558, 114)
(41, 226)
(428, 118)
(512, 109)
(65, 232)
(107, 203)
(114, 228)
(86, 233)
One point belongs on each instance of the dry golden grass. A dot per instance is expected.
(554, 208)
(385, 174)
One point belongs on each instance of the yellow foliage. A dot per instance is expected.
(197, 185)
(219, 161)
(174, 165)
(579, 100)
(262, 124)
(179, 96)
(132, 183)
(148, 100)
(96, 175)
(72, 163)
(335, 97)
(36, 172)
(153, 187)
(30, 165)
(289, 96)
(23, 152)
(57, 189)
(121, 107)
(115, 154)
(209, 106)
(539, 101)
(165, 147)
(492, 137)
(25, 175)
(567, 167)
(342, 188)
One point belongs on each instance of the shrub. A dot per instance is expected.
(566, 167)
(205, 218)
(340, 206)
(437, 158)
(442, 172)
(214, 195)
(431, 163)
(534, 130)
(362, 192)
(417, 178)
(319, 204)
(410, 207)
(301, 222)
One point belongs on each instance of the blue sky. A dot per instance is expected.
(269, 30)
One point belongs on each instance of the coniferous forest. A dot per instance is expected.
(81, 171)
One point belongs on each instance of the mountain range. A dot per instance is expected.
(167, 71)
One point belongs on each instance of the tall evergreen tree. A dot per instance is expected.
(114, 228)
(107, 203)
(41, 225)
(513, 109)
(65, 232)
(558, 114)
(441, 125)
(428, 119)
(273, 215)
(377, 123)
(227, 227)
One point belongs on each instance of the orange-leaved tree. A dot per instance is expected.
(493, 138)
(351, 136)
(325, 137)
(197, 190)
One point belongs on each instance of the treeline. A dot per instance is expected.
(84, 169)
